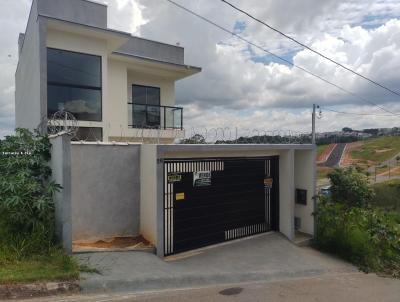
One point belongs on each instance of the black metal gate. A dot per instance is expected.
(207, 201)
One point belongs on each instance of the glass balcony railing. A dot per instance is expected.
(155, 117)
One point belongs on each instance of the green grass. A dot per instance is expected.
(387, 195)
(321, 149)
(57, 266)
(322, 172)
(368, 151)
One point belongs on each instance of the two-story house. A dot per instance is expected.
(118, 87)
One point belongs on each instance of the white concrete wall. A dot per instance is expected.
(27, 77)
(148, 192)
(304, 176)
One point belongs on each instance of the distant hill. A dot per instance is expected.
(376, 150)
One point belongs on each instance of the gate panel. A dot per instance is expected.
(239, 199)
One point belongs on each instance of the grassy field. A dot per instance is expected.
(322, 172)
(387, 195)
(377, 150)
(56, 266)
(321, 149)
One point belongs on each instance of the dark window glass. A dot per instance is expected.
(153, 116)
(73, 68)
(74, 84)
(145, 95)
(153, 96)
(139, 95)
(146, 106)
(139, 115)
(84, 104)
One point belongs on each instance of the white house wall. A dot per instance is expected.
(116, 116)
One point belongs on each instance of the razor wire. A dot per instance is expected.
(237, 135)
(63, 122)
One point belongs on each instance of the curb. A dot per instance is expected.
(21, 291)
(193, 280)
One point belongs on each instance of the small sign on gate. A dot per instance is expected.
(174, 177)
(268, 182)
(201, 178)
(179, 196)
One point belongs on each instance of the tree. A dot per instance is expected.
(350, 187)
(347, 129)
(195, 139)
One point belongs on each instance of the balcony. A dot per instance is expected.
(155, 117)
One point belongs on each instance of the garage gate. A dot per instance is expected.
(208, 201)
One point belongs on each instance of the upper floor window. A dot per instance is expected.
(146, 106)
(74, 84)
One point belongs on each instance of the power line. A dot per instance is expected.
(280, 58)
(354, 113)
(310, 49)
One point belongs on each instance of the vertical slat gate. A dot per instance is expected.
(240, 200)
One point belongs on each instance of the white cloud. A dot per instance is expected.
(238, 85)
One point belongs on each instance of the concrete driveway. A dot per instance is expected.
(267, 257)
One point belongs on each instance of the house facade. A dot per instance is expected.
(117, 86)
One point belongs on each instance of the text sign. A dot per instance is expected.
(201, 178)
(179, 196)
(174, 177)
(268, 182)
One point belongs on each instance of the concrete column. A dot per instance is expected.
(286, 193)
(160, 207)
(61, 174)
(304, 173)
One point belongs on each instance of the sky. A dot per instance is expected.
(243, 87)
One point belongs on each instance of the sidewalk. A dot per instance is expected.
(267, 257)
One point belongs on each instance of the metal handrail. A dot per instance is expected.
(163, 123)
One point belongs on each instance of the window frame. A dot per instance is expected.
(59, 84)
(147, 86)
(146, 105)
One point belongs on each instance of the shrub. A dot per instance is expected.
(26, 194)
(350, 187)
(368, 237)
(387, 195)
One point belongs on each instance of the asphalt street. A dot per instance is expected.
(328, 288)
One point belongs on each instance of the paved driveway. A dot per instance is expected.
(267, 257)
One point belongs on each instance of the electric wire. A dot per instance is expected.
(311, 49)
(280, 58)
(354, 113)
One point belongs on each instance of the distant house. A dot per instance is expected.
(113, 83)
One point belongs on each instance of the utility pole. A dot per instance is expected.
(313, 125)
